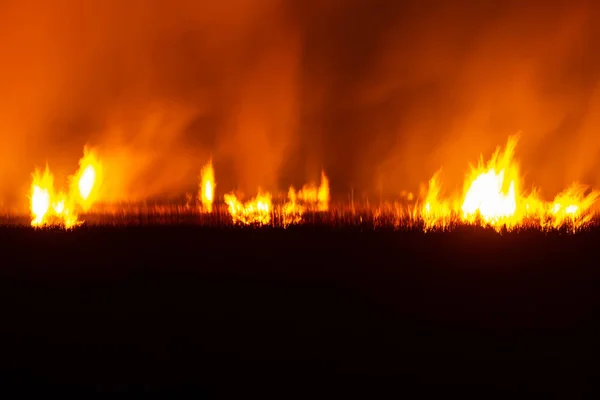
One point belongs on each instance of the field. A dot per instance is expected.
(163, 300)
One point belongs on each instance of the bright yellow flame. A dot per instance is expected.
(315, 197)
(207, 187)
(310, 197)
(85, 184)
(493, 197)
(41, 188)
(51, 208)
(492, 189)
(323, 193)
(254, 212)
(260, 209)
(59, 207)
(48, 208)
(435, 212)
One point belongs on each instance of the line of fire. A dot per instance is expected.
(493, 195)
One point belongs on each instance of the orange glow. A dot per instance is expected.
(380, 96)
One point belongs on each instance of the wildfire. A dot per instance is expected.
(86, 181)
(316, 197)
(435, 212)
(57, 208)
(254, 212)
(311, 197)
(259, 211)
(41, 196)
(206, 191)
(492, 196)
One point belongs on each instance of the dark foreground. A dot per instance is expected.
(220, 312)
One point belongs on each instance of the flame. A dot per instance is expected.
(259, 211)
(493, 196)
(51, 208)
(207, 187)
(41, 195)
(292, 210)
(310, 197)
(254, 212)
(436, 212)
(572, 206)
(87, 180)
(47, 207)
(491, 189)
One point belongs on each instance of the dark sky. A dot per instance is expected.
(379, 93)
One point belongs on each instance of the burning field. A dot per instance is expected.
(282, 114)
(260, 191)
(494, 195)
(438, 284)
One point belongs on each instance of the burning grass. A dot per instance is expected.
(493, 196)
(387, 217)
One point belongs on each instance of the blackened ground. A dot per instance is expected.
(179, 307)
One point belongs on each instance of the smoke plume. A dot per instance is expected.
(379, 94)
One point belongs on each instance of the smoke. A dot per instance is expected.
(158, 87)
(462, 79)
(380, 95)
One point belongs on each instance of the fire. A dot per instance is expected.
(491, 189)
(435, 211)
(260, 210)
(493, 196)
(48, 207)
(310, 197)
(206, 191)
(316, 197)
(86, 183)
(292, 211)
(572, 206)
(254, 212)
(41, 196)
(56, 208)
